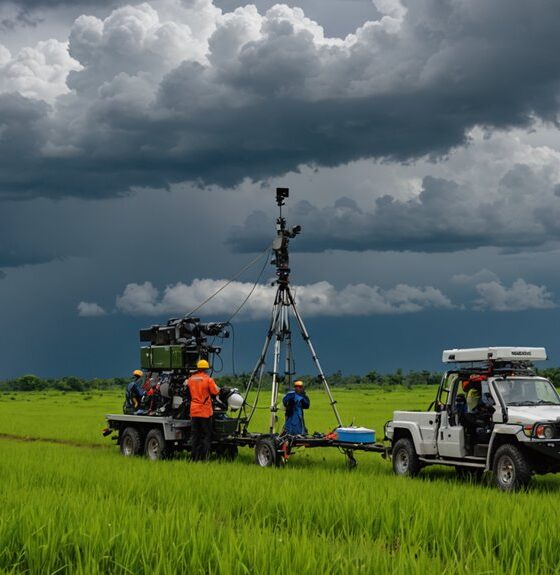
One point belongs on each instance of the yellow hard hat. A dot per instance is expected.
(298, 383)
(138, 372)
(202, 364)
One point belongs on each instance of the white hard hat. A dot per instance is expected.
(235, 401)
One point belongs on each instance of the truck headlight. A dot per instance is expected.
(544, 431)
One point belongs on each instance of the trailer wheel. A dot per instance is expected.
(511, 470)
(130, 442)
(405, 460)
(266, 454)
(155, 446)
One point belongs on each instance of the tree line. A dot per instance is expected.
(337, 379)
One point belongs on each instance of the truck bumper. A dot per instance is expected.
(549, 449)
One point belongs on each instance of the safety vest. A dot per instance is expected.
(201, 387)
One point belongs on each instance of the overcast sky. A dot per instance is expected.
(141, 143)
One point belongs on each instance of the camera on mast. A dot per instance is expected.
(280, 244)
(281, 195)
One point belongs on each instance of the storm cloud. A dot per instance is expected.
(505, 194)
(186, 92)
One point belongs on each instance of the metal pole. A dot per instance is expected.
(307, 340)
(289, 369)
(274, 392)
(277, 308)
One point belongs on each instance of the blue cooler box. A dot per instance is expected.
(355, 434)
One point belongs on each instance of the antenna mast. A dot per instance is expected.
(280, 329)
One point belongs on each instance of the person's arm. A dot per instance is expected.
(212, 387)
(288, 399)
(305, 401)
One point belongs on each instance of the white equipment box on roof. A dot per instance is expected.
(494, 353)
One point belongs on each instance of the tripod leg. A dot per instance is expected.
(274, 394)
(307, 340)
(262, 358)
(289, 366)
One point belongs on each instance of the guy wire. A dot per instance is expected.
(252, 262)
(251, 292)
(238, 310)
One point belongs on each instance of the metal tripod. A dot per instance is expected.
(279, 328)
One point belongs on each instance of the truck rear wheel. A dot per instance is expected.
(511, 470)
(266, 453)
(130, 442)
(155, 446)
(405, 459)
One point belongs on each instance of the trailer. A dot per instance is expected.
(162, 437)
(159, 437)
(275, 450)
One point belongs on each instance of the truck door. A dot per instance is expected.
(451, 434)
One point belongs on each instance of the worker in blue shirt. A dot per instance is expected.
(134, 392)
(295, 402)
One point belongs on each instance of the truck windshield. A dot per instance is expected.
(530, 391)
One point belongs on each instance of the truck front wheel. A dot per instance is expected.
(405, 460)
(511, 470)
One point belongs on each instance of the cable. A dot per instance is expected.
(221, 364)
(250, 293)
(232, 350)
(253, 261)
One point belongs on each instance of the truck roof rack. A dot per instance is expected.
(469, 355)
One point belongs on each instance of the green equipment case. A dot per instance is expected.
(164, 357)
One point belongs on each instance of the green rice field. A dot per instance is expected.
(70, 503)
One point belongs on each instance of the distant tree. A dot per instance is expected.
(396, 378)
(373, 377)
(336, 378)
(28, 383)
(74, 383)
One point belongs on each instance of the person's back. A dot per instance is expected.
(134, 392)
(201, 388)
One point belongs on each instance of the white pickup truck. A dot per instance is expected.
(491, 413)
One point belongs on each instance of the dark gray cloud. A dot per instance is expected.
(15, 15)
(522, 212)
(14, 258)
(20, 16)
(216, 98)
(22, 133)
(27, 5)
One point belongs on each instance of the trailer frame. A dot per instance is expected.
(136, 435)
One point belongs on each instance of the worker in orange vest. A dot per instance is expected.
(202, 388)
